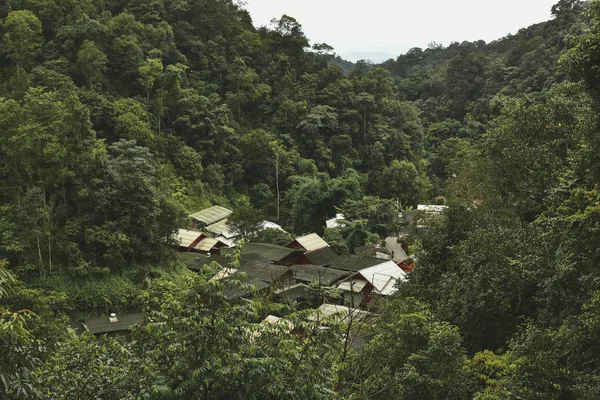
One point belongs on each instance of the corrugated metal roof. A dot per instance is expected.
(352, 262)
(231, 290)
(124, 323)
(224, 273)
(380, 275)
(222, 228)
(269, 251)
(206, 244)
(212, 214)
(431, 208)
(324, 256)
(195, 261)
(270, 225)
(185, 238)
(337, 312)
(264, 272)
(334, 222)
(325, 275)
(391, 243)
(311, 242)
(292, 292)
(228, 242)
(353, 285)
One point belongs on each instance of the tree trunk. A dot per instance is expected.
(277, 184)
(40, 261)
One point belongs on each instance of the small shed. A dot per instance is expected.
(114, 324)
(309, 242)
(211, 215)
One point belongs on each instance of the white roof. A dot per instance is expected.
(337, 312)
(430, 208)
(334, 222)
(269, 225)
(229, 242)
(353, 285)
(311, 242)
(383, 277)
(185, 238)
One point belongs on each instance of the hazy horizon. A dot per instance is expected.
(392, 27)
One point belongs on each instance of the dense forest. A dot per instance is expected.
(119, 118)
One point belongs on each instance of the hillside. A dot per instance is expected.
(120, 118)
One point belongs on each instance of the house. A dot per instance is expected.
(326, 276)
(276, 254)
(210, 215)
(380, 279)
(188, 239)
(354, 263)
(275, 275)
(210, 245)
(308, 243)
(324, 256)
(114, 324)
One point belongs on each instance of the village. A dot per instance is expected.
(306, 273)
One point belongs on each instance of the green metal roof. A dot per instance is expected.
(212, 214)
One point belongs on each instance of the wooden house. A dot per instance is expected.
(379, 280)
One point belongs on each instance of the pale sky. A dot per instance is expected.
(394, 26)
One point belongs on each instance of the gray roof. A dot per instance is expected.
(325, 275)
(391, 243)
(195, 261)
(263, 271)
(353, 262)
(270, 251)
(324, 256)
(232, 291)
(212, 214)
(293, 292)
(124, 323)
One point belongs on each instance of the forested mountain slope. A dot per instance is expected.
(119, 118)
